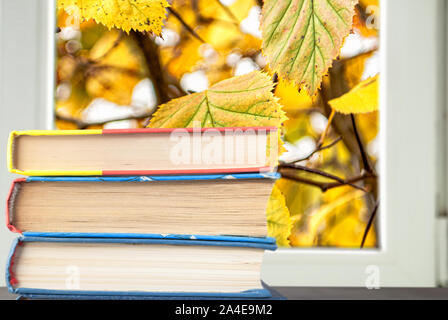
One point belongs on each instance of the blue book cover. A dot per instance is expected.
(274, 295)
(14, 287)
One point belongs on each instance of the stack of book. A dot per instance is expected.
(144, 214)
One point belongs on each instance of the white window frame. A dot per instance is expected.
(27, 34)
(411, 98)
(411, 101)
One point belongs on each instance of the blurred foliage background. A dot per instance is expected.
(113, 79)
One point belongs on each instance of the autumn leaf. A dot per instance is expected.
(139, 15)
(299, 197)
(366, 3)
(361, 99)
(279, 221)
(337, 204)
(354, 68)
(182, 59)
(301, 38)
(368, 124)
(236, 11)
(292, 100)
(348, 233)
(241, 101)
(119, 67)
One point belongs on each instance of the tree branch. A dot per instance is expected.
(324, 186)
(317, 150)
(186, 26)
(365, 159)
(323, 174)
(228, 12)
(83, 124)
(369, 224)
(327, 128)
(151, 54)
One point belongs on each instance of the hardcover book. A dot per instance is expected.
(142, 151)
(144, 206)
(273, 295)
(136, 268)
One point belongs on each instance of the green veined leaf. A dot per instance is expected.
(302, 37)
(241, 101)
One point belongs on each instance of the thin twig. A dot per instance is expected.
(228, 12)
(83, 124)
(317, 150)
(186, 26)
(324, 186)
(369, 224)
(341, 123)
(361, 177)
(320, 185)
(327, 128)
(321, 173)
(364, 157)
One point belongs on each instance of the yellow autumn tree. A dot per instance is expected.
(248, 63)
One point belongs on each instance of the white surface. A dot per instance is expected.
(26, 83)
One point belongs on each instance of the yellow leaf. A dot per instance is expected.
(338, 203)
(291, 98)
(65, 20)
(279, 221)
(225, 38)
(366, 3)
(188, 13)
(118, 69)
(298, 128)
(113, 85)
(361, 99)
(354, 68)
(183, 58)
(299, 197)
(348, 234)
(235, 12)
(113, 48)
(140, 15)
(236, 102)
(368, 124)
(302, 37)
